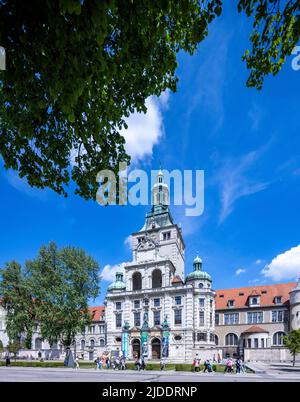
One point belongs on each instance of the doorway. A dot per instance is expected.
(156, 348)
(136, 348)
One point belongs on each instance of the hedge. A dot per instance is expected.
(130, 366)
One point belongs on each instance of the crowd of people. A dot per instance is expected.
(231, 366)
(206, 366)
(114, 362)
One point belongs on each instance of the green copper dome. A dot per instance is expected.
(118, 284)
(197, 272)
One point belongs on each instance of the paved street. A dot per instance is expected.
(24, 374)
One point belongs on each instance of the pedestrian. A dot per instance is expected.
(228, 366)
(7, 360)
(142, 363)
(137, 363)
(196, 364)
(107, 362)
(239, 366)
(77, 363)
(206, 365)
(98, 363)
(123, 362)
(162, 365)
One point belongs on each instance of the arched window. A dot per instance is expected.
(137, 281)
(200, 285)
(216, 340)
(156, 278)
(82, 344)
(231, 340)
(102, 343)
(38, 343)
(278, 338)
(92, 343)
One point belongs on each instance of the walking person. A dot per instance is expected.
(77, 363)
(7, 360)
(98, 363)
(123, 363)
(196, 364)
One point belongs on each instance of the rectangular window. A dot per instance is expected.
(201, 337)
(210, 318)
(156, 302)
(201, 318)
(249, 343)
(217, 319)
(255, 342)
(118, 305)
(118, 320)
(136, 304)
(231, 318)
(177, 300)
(211, 303)
(262, 343)
(255, 317)
(201, 302)
(178, 317)
(156, 317)
(166, 236)
(137, 319)
(280, 316)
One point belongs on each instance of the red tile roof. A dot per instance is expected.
(98, 312)
(176, 280)
(266, 298)
(255, 330)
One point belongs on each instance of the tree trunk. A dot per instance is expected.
(294, 359)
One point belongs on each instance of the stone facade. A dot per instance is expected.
(254, 318)
(152, 293)
(153, 309)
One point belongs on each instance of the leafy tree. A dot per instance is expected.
(76, 68)
(14, 347)
(58, 284)
(16, 294)
(292, 342)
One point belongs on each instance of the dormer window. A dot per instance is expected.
(254, 301)
(278, 300)
(230, 303)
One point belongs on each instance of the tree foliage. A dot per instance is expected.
(292, 342)
(77, 68)
(52, 291)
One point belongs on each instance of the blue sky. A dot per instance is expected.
(246, 141)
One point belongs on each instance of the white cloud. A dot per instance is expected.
(240, 271)
(259, 261)
(128, 242)
(284, 266)
(109, 271)
(145, 129)
(234, 183)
